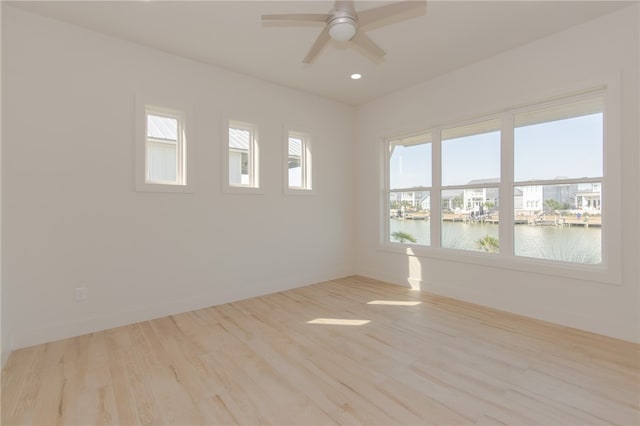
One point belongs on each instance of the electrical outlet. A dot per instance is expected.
(80, 294)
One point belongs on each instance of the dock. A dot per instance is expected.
(595, 221)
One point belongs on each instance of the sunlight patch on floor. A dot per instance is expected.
(394, 302)
(338, 321)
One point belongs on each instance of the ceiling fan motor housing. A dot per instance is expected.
(343, 25)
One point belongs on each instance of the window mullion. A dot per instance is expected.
(386, 193)
(505, 229)
(567, 181)
(252, 166)
(181, 178)
(436, 188)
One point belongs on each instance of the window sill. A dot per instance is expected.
(299, 191)
(228, 189)
(164, 187)
(592, 273)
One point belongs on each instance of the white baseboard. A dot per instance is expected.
(50, 333)
(623, 331)
(564, 318)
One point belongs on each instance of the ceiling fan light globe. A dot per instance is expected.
(342, 30)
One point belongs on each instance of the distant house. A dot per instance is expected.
(294, 162)
(161, 148)
(425, 201)
(448, 201)
(518, 199)
(529, 199)
(415, 200)
(589, 197)
(532, 199)
(570, 196)
(476, 199)
(409, 199)
(563, 194)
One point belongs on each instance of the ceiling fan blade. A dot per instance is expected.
(371, 16)
(344, 5)
(362, 40)
(321, 41)
(301, 17)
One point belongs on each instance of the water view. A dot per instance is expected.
(552, 220)
(562, 243)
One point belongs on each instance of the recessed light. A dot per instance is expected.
(356, 76)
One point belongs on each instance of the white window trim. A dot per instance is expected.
(416, 136)
(607, 272)
(306, 163)
(253, 187)
(186, 146)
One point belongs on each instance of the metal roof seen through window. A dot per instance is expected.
(239, 139)
(162, 127)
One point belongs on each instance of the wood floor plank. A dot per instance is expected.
(414, 358)
(120, 365)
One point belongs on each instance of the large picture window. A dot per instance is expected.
(548, 157)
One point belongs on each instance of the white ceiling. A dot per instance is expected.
(420, 45)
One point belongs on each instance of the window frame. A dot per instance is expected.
(253, 158)
(416, 137)
(596, 93)
(185, 164)
(606, 272)
(480, 123)
(306, 162)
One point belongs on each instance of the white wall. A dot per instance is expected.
(71, 216)
(604, 47)
(4, 341)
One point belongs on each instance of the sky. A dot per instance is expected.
(410, 166)
(470, 157)
(568, 148)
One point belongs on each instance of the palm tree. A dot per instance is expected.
(457, 202)
(552, 204)
(403, 237)
(488, 243)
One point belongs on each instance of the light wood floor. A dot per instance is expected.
(260, 361)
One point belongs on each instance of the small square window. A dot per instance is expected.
(298, 162)
(161, 148)
(242, 156)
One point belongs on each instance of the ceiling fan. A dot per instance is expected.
(344, 24)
